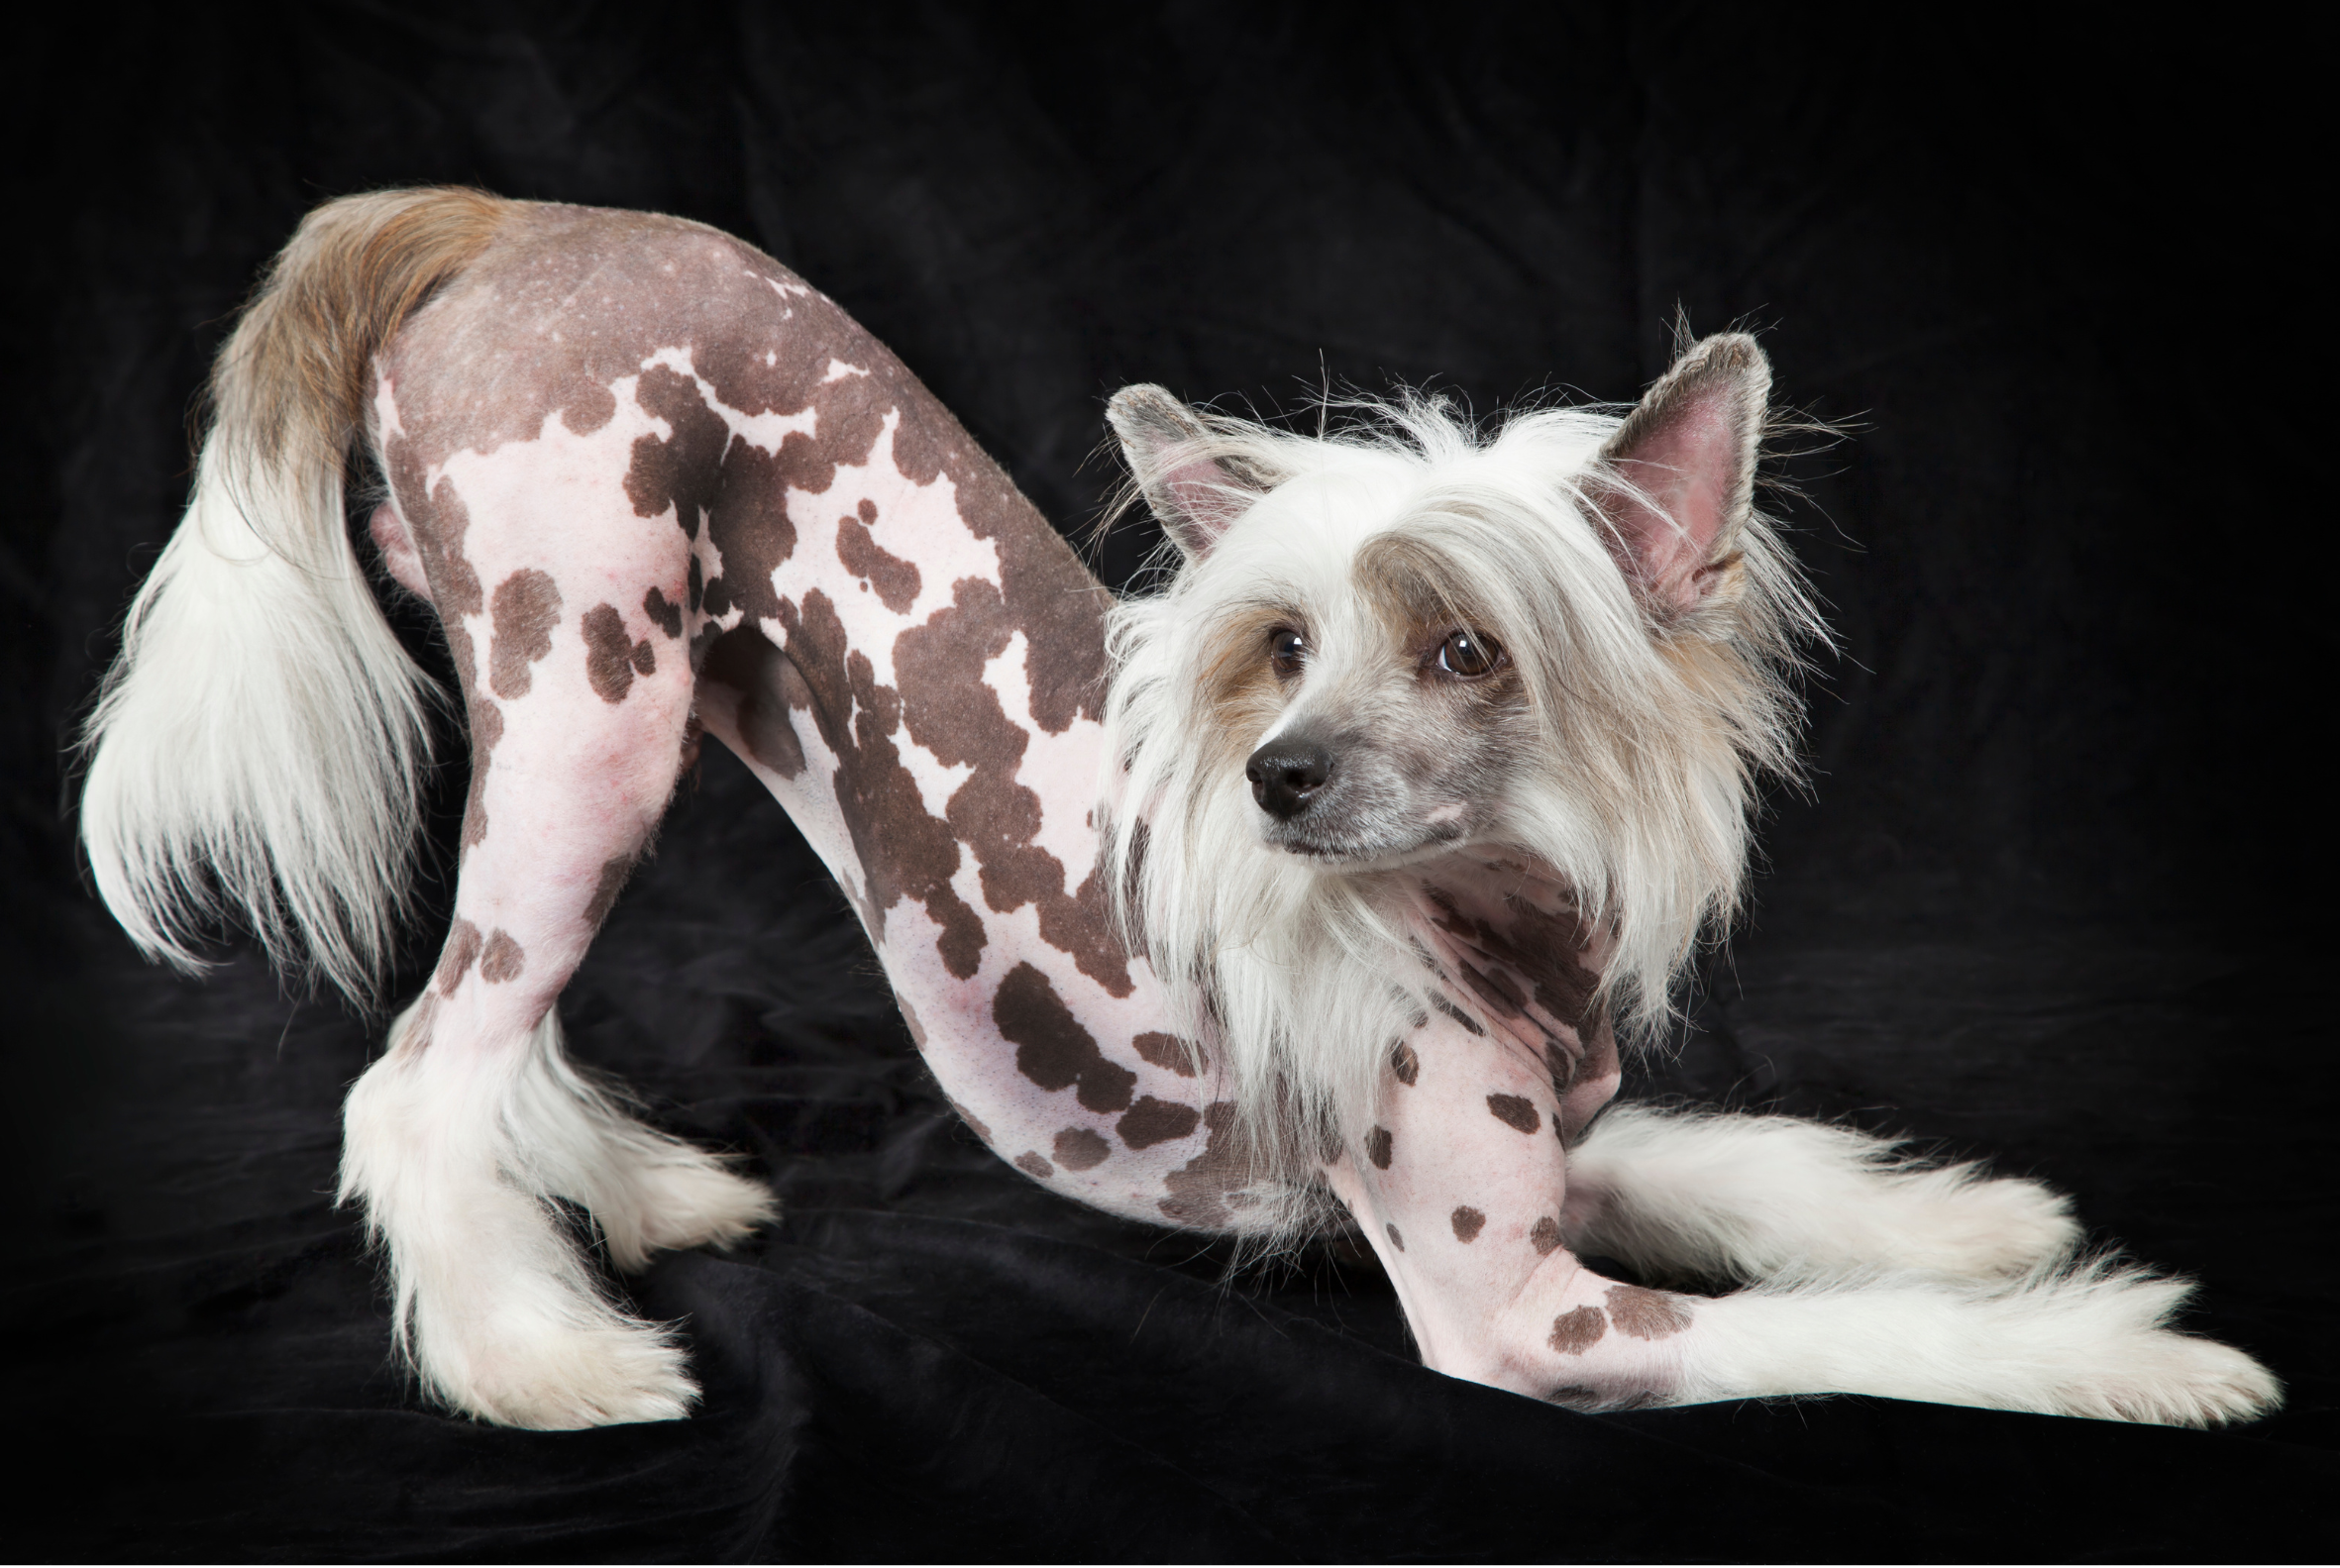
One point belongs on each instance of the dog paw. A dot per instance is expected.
(560, 1377)
(697, 1202)
(1993, 1228)
(2174, 1380)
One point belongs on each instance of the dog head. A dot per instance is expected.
(1564, 641)
(1410, 638)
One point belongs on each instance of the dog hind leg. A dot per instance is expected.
(459, 1139)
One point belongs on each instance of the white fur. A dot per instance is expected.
(2090, 1340)
(457, 1155)
(1640, 800)
(1877, 1273)
(1701, 1195)
(256, 746)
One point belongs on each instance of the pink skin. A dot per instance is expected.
(603, 402)
(575, 783)
(1459, 1183)
(655, 486)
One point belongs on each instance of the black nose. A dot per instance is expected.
(1286, 775)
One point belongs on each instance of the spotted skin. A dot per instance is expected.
(707, 500)
(653, 480)
(1460, 1158)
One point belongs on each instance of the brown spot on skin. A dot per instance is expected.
(1573, 1334)
(525, 609)
(1151, 1121)
(1538, 947)
(607, 886)
(502, 959)
(1545, 1237)
(1495, 989)
(1396, 1240)
(1646, 1313)
(1595, 1081)
(685, 471)
(1051, 1047)
(1079, 1149)
(548, 292)
(666, 615)
(950, 710)
(437, 522)
(1031, 1163)
(1457, 1013)
(867, 511)
(463, 947)
(1515, 1112)
(974, 1121)
(904, 850)
(612, 659)
(1406, 1063)
(896, 579)
(1201, 1187)
(1378, 1145)
(487, 730)
(1167, 1052)
(1558, 1060)
(1467, 1222)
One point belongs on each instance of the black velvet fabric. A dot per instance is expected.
(2051, 896)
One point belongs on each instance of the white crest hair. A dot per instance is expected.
(1653, 727)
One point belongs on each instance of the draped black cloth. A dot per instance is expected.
(2051, 896)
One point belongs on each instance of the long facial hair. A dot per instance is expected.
(1636, 731)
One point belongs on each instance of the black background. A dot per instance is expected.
(2051, 896)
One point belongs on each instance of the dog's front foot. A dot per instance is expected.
(2088, 1340)
(2171, 1379)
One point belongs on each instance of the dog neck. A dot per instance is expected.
(1509, 942)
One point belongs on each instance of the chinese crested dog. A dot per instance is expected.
(1317, 888)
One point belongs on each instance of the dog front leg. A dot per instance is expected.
(1459, 1185)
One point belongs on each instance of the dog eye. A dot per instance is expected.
(1287, 649)
(1470, 654)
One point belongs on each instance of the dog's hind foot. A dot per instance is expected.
(552, 1364)
(1993, 1227)
(689, 1199)
(1754, 1197)
(648, 1191)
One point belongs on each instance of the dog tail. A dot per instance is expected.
(255, 750)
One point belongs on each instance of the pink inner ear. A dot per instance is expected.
(1205, 501)
(1687, 465)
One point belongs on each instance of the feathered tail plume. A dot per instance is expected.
(254, 749)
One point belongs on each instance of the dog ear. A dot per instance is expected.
(1166, 442)
(1675, 483)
